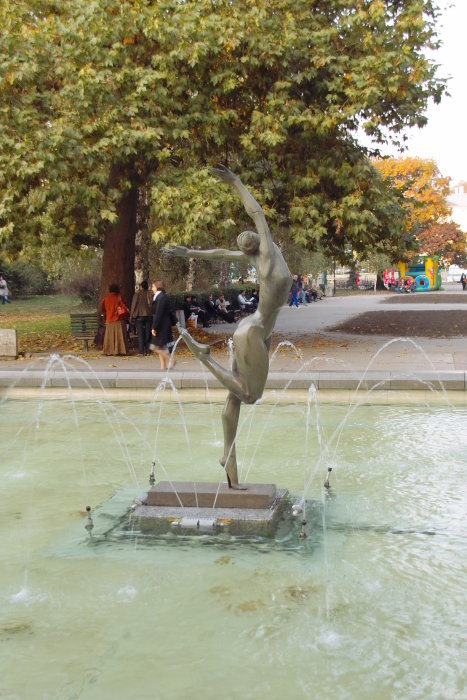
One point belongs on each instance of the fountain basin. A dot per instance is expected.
(370, 604)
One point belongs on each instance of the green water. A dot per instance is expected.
(371, 605)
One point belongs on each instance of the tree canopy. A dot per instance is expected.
(425, 191)
(446, 240)
(101, 97)
(422, 186)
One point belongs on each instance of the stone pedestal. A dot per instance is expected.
(210, 507)
(8, 343)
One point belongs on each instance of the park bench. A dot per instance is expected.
(84, 326)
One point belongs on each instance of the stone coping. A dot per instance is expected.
(389, 380)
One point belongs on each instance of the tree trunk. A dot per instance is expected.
(143, 236)
(224, 280)
(191, 276)
(379, 283)
(118, 264)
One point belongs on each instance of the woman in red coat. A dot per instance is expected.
(115, 338)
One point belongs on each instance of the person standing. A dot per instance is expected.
(294, 291)
(161, 329)
(141, 314)
(301, 296)
(463, 281)
(4, 290)
(115, 338)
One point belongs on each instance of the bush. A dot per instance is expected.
(25, 279)
(81, 276)
(85, 285)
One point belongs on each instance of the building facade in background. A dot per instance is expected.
(458, 201)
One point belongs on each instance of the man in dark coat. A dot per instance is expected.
(161, 330)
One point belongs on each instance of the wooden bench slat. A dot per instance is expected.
(84, 326)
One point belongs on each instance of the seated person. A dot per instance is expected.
(222, 309)
(198, 311)
(211, 308)
(311, 294)
(244, 303)
(255, 298)
(319, 292)
(187, 307)
(407, 286)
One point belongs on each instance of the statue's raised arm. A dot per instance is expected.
(252, 207)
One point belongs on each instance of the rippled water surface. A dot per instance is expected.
(371, 605)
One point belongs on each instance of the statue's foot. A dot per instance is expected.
(198, 349)
(232, 484)
(235, 485)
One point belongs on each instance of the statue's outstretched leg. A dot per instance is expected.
(198, 349)
(227, 378)
(230, 416)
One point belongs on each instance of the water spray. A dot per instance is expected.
(152, 478)
(89, 522)
(326, 483)
(296, 509)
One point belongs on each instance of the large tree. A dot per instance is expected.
(102, 97)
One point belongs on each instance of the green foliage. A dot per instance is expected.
(99, 97)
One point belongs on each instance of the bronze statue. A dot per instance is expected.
(252, 339)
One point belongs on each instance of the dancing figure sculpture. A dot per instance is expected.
(252, 339)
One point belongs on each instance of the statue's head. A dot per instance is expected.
(248, 242)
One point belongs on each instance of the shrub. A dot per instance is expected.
(25, 279)
(81, 275)
(85, 285)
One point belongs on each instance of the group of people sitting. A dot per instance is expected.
(214, 309)
(405, 285)
(249, 305)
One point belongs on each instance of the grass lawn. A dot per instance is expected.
(42, 322)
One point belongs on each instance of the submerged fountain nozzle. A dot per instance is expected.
(89, 524)
(303, 530)
(326, 483)
(152, 478)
